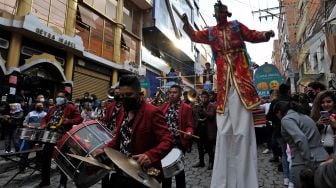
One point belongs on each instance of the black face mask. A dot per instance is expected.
(39, 109)
(117, 98)
(130, 103)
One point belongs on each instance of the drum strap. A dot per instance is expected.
(56, 119)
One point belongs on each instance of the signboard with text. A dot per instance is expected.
(267, 77)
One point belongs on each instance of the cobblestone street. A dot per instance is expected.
(269, 177)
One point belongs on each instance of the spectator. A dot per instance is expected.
(4, 116)
(14, 121)
(313, 89)
(276, 136)
(325, 101)
(51, 103)
(86, 99)
(88, 113)
(208, 77)
(95, 101)
(302, 136)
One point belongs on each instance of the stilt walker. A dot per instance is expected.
(235, 163)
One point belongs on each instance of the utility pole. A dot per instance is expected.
(268, 12)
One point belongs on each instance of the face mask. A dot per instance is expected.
(60, 100)
(130, 103)
(117, 98)
(39, 109)
(42, 99)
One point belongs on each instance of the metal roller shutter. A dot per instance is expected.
(89, 81)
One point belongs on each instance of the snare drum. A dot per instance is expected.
(84, 139)
(49, 136)
(172, 164)
(29, 134)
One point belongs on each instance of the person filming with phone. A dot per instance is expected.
(324, 113)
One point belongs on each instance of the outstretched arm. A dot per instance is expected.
(255, 36)
(196, 36)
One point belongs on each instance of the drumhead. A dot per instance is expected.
(172, 156)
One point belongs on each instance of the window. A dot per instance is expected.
(108, 41)
(8, 6)
(96, 35)
(51, 13)
(322, 51)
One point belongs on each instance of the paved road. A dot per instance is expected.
(269, 177)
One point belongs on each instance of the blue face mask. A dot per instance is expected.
(60, 100)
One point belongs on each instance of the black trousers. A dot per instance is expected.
(204, 144)
(179, 178)
(119, 180)
(46, 165)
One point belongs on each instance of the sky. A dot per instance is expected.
(242, 11)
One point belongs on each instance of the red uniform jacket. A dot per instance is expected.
(71, 116)
(184, 120)
(109, 110)
(227, 43)
(150, 134)
(211, 121)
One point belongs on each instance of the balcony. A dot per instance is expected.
(143, 4)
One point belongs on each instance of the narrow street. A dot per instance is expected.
(269, 177)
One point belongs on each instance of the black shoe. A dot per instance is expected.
(61, 186)
(198, 165)
(210, 166)
(280, 169)
(274, 160)
(43, 184)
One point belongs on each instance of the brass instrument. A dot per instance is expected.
(110, 93)
(159, 97)
(201, 110)
(192, 95)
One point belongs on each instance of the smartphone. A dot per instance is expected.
(325, 114)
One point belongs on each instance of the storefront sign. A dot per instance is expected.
(32, 23)
(52, 36)
(267, 77)
(131, 66)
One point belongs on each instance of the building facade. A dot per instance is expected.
(81, 46)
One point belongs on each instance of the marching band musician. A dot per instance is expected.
(178, 117)
(206, 129)
(59, 118)
(142, 134)
(112, 116)
(236, 151)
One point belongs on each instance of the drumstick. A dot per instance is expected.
(187, 133)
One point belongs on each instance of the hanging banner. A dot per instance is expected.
(267, 77)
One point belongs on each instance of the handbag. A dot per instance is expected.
(327, 137)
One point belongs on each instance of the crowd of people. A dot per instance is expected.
(300, 132)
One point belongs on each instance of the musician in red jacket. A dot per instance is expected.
(59, 118)
(178, 117)
(114, 112)
(142, 134)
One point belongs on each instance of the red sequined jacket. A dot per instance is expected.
(227, 43)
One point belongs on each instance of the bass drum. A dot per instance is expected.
(84, 139)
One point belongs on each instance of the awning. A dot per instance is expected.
(332, 17)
